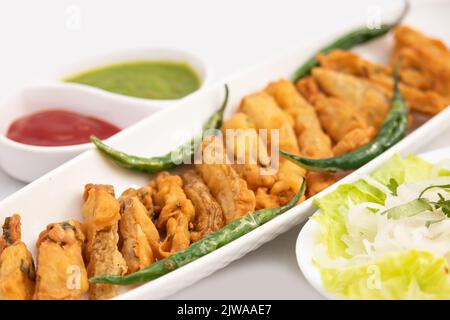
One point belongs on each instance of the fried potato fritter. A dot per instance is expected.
(230, 190)
(264, 112)
(250, 152)
(61, 274)
(312, 140)
(101, 213)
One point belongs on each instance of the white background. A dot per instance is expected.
(38, 37)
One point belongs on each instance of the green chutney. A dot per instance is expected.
(143, 79)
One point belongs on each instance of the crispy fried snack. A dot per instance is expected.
(101, 213)
(264, 199)
(176, 215)
(266, 114)
(371, 101)
(312, 140)
(231, 191)
(350, 63)
(17, 274)
(424, 62)
(144, 195)
(419, 97)
(140, 238)
(209, 216)
(344, 124)
(308, 88)
(250, 153)
(425, 101)
(61, 274)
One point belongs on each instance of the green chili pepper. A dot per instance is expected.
(169, 160)
(391, 131)
(208, 244)
(347, 41)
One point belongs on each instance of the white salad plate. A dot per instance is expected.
(304, 248)
(57, 196)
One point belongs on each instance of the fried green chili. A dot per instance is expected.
(169, 160)
(208, 244)
(347, 41)
(391, 131)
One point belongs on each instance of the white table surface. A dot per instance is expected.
(38, 37)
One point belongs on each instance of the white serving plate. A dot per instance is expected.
(57, 195)
(304, 247)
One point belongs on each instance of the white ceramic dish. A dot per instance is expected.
(27, 163)
(138, 54)
(305, 241)
(57, 195)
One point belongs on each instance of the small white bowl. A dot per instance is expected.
(137, 54)
(27, 162)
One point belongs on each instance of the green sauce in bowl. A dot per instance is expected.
(143, 79)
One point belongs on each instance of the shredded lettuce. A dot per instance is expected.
(408, 275)
(334, 207)
(354, 237)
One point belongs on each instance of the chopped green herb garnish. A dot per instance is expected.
(392, 186)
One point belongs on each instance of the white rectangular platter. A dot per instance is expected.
(57, 196)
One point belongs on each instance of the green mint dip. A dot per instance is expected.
(142, 79)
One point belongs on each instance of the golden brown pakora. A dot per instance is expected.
(101, 213)
(264, 112)
(250, 152)
(177, 213)
(61, 273)
(209, 216)
(17, 272)
(230, 190)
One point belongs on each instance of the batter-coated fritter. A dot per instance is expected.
(101, 213)
(420, 98)
(176, 215)
(144, 194)
(424, 61)
(264, 112)
(135, 246)
(230, 190)
(61, 274)
(250, 153)
(312, 140)
(348, 129)
(371, 101)
(209, 216)
(17, 273)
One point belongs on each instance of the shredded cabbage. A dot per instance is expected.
(411, 253)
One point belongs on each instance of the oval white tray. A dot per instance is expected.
(57, 195)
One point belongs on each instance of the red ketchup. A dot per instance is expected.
(58, 128)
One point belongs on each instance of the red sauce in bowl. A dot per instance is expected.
(58, 128)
